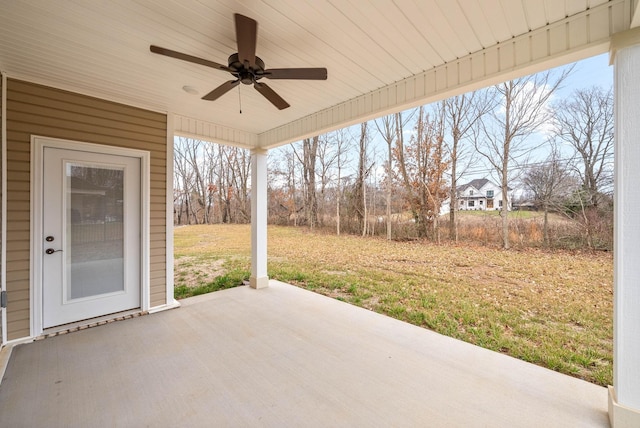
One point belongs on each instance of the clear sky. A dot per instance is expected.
(589, 72)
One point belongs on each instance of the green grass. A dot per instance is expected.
(496, 213)
(553, 309)
(232, 279)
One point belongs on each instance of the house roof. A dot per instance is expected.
(381, 56)
(477, 184)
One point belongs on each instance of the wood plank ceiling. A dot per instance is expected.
(369, 48)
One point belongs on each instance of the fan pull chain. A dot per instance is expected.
(239, 99)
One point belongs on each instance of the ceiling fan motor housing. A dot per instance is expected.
(247, 74)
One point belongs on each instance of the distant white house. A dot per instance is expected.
(478, 195)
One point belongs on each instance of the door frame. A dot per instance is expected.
(38, 144)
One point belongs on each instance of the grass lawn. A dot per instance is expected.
(552, 309)
(523, 214)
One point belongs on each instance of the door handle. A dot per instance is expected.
(51, 251)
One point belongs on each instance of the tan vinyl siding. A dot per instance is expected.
(38, 110)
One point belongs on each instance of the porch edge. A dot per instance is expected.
(5, 354)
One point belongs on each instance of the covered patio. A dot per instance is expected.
(79, 78)
(283, 357)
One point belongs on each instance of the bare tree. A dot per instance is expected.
(183, 178)
(224, 187)
(585, 122)
(463, 114)
(308, 163)
(522, 110)
(239, 162)
(341, 142)
(550, 183)
(328, 152)
(386, 128)
(359, 193)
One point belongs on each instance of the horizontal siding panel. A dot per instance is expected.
(19, 295)
(80, 115)
(160, 216)
(159, 169)
(17, 221)
(157, 228)
(17, 245)
(20, 206)
(20, 164)
(23, 187)
(77, 135)
(158, 179)
(17, 196)
(17, 256)
(157, 266)
(18, 236)
(22, 122)
(19, 175)
(20, 156)
(32, 100)
(157, 255)
(158, 200)
(19, 328)
(69, 97)
(18, 275)
(155, 206)
(38, 110)
(158, 298)
(19, 265)
(157, 259)
(158, 282)
(157, 274)
(18, 305)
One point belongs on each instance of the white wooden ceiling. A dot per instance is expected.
(381, 55)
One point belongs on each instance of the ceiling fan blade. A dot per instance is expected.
(247, 38)
(221, 90)
(270, 94)
(188, 58)
(296, 73)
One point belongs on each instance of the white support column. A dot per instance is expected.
(259, 278)
(624, 395)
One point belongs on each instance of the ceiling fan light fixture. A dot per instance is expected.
(190, 90)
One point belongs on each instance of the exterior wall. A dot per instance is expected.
(479, 197)
(38, 110)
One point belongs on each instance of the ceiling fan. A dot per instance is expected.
(246, 67)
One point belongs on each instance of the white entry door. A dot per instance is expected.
(91, 235)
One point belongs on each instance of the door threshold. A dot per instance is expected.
(89, 323)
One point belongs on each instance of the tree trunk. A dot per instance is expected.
(505, 172)
(545, 226)
(453, 195)
(389, 191)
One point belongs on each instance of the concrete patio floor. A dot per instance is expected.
(281, 357)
